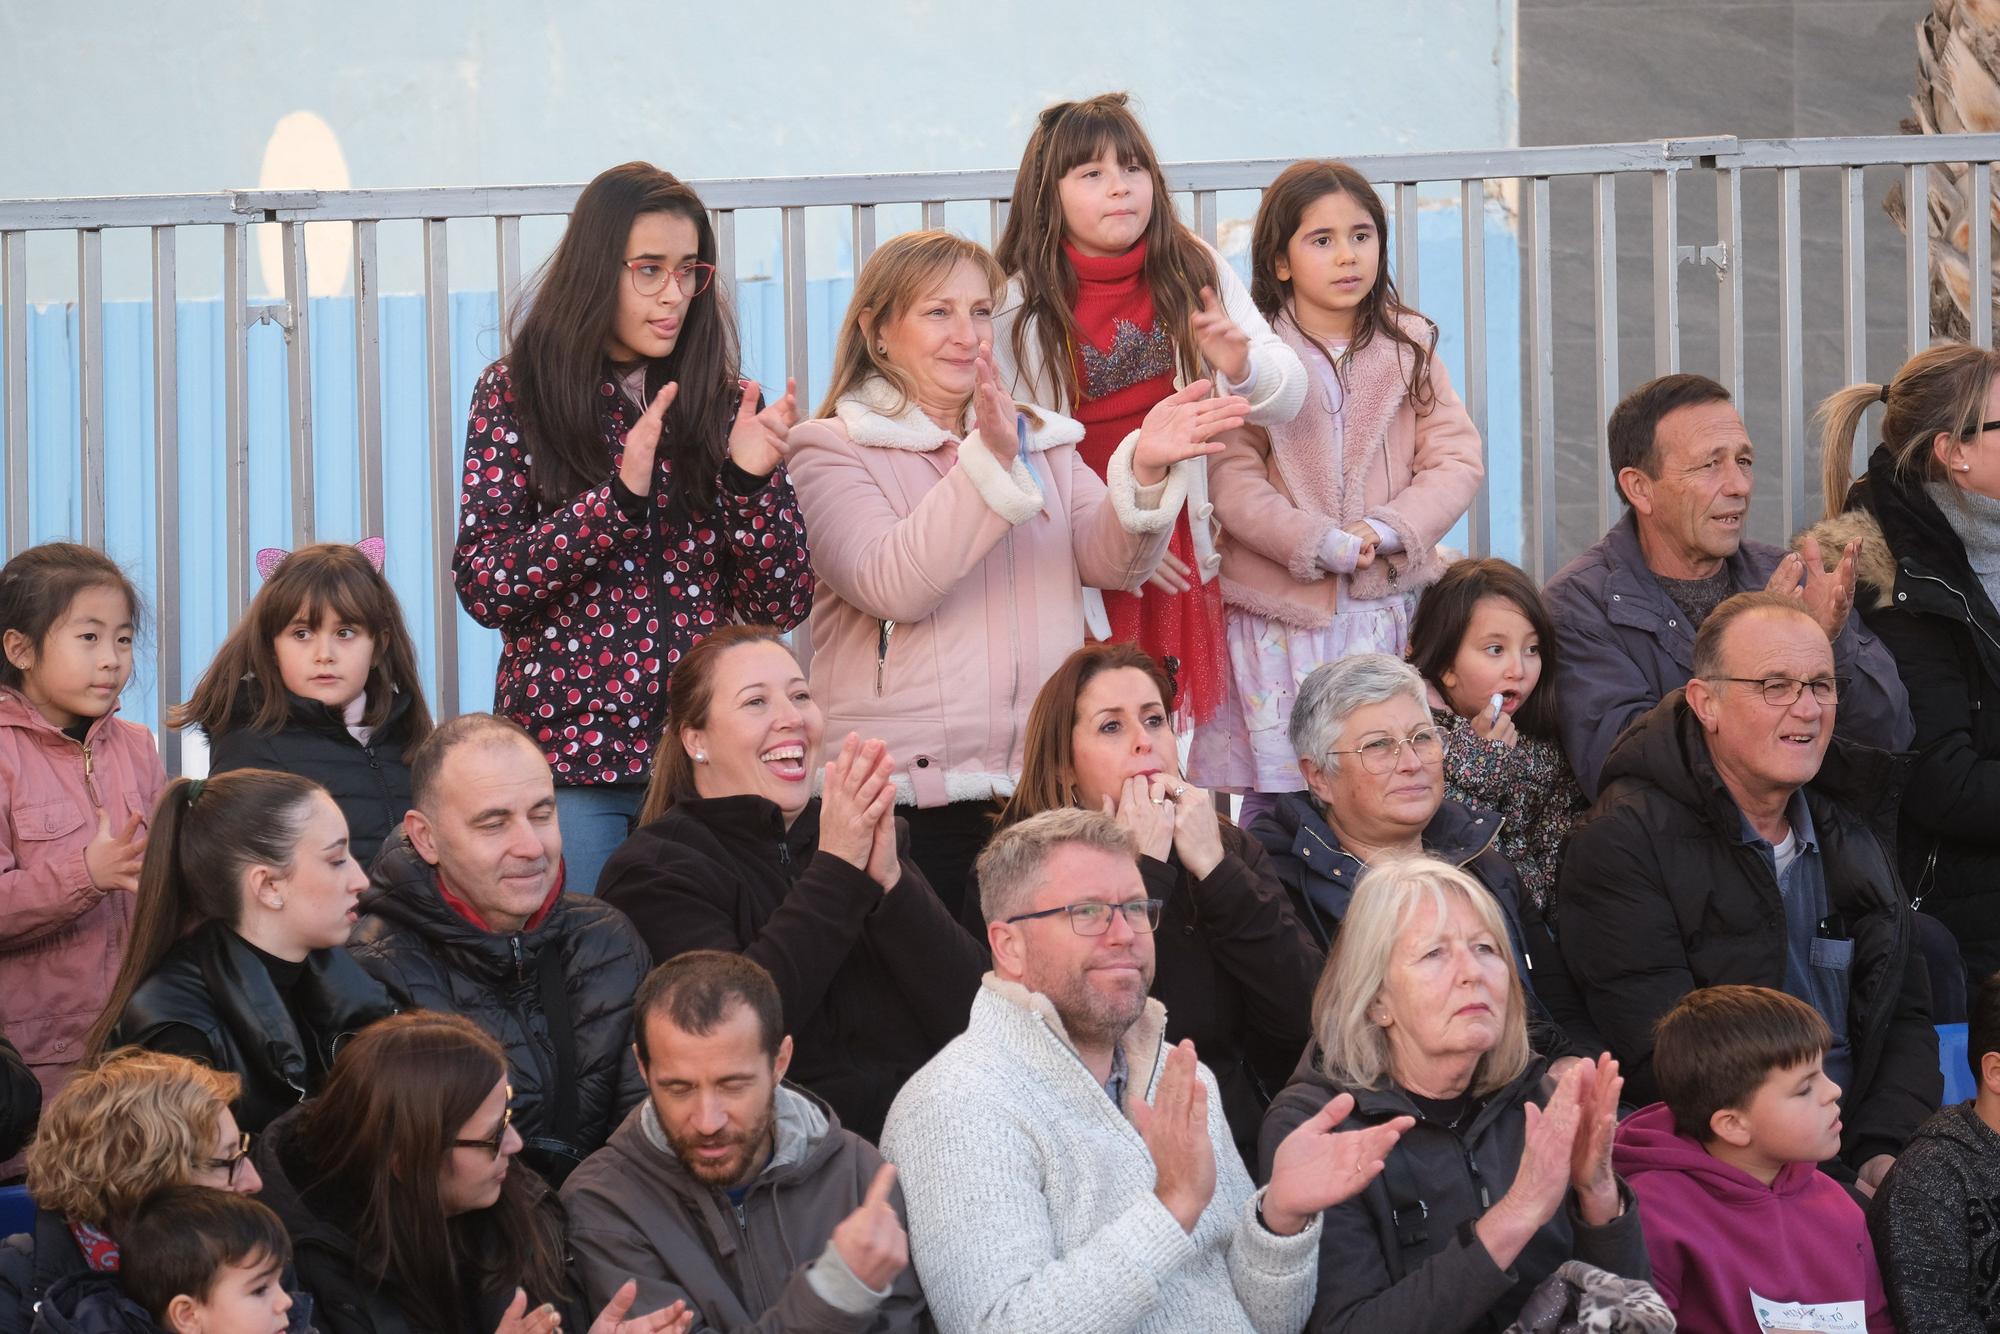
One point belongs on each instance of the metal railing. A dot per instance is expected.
(1516, 180)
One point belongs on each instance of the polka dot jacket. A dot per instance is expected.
(598, 602)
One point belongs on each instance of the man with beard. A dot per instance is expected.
(1067, 1170)
(719, 1183)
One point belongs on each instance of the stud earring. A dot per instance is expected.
(701, 757)
(277, 905)
(881, 349)
(1965, 467)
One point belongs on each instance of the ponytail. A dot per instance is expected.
(205, 833)
(1940, 391)
(690, 691)
(1841, 415)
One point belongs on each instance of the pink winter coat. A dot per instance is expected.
(1280, 490)
(61, 937)
(950, 590)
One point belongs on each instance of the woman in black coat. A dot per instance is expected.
(1927, 520)
(237, 960)
(1233, 965)
(734, 853)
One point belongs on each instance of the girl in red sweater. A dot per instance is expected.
(1110, 303)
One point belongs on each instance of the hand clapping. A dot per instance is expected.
(760, 441)
(1318, 1166)
(857, 809)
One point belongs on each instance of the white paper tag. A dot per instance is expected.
(1809, 1317)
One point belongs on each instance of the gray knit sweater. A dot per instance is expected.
(1031, 1200)
(1936, 1226)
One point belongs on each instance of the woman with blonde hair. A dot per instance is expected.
(955, 531)
(1506, 1173)
(1927, 581)
(119, 1130)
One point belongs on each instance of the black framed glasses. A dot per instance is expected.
(498, 1139)
(1380, 755)
(1092, 917)
(232, 1163)
(649, 276)
(1781, 692)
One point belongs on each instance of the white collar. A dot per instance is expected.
(872, 417)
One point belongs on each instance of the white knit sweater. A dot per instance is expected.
(1031, 1200)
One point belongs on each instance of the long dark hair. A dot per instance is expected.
(690, 692)
(309, 583)
(379, 1132)
(1445, 610)
(557, 359)
(1285, 202)
(37, 586)
(1050, 749)
(204, 835)
(1178, 265)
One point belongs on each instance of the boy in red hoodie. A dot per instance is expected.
(1745, 1234)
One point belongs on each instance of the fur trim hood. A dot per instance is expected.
(1874, 564)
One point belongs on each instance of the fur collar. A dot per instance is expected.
(1144, 1042)
(1874, 566)
(872, 417)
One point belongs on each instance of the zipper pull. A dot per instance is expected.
(882, 652)
(520, 963)
(90, 777)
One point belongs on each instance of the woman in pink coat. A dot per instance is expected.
(954, 532)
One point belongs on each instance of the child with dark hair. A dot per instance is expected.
(1744, 1231)
(1936, 1220)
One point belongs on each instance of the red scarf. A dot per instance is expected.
(100, 1252)
(1125, 365)
(471, 914)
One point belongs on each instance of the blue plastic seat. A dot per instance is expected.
(17, 1211)
(1958, 1084)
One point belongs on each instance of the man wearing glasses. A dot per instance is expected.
(1063, 1167)
(1628, 609)
(1737, 840)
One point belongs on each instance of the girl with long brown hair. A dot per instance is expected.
(406, 1207)
(1111, 304)
(622, 494)
(1927, 581)
(1331, 520)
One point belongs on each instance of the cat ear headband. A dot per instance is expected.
(270, 558)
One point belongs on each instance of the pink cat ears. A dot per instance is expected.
(270, 558)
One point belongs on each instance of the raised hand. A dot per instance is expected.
(1543, 1177)
(1175, 1128)
(1148, 814)
(759, 441)
(1184, 425)
(675, 1319)
(1223, 345)
(855, 792)
(1497, 728)
(871, 1239)
(1318, 1166)
(642, 442)
(518, 1319)
(1197, 827)
(1827, 594)
(113, 860)
(1597, 1123)
(885, 865)
(993, 410)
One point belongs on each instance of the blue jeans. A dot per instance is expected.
(594, 821)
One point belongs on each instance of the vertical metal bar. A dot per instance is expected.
(1791, 350)
(298, 371)
(1472, 214)
(1666, 273)
(1979, 249)
(725, 246)
(368, 376)
(167, 488)
(1542, 383)
(507, 265)
(794, 251)
(444, 460)
(933, 214)
(1917, 258)
(14, 315)
(864, 235)
(1204, 215)
(236, 412)
(1854, 274)
(90, 380)
(999, 209)
(1406, 242)
(1729, 277)
(1604, 263)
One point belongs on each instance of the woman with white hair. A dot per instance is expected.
(1373, 763)
(1507, 1172)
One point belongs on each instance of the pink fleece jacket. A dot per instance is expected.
(1716, 1235)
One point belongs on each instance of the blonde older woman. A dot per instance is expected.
(954, 531)
(1506, 1174)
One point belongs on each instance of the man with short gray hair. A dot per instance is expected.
(1064, 1169)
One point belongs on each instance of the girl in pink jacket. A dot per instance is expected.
(954, 533)
(78, 786)
(1330, 522)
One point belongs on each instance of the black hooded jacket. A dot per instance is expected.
(1660, 895)
(557, 996)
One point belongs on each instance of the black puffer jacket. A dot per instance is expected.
(211, 984)
(95, 1304)
(1919, 595)
(370, 784)
(557, 996)
(1443, 1281)
(1660, 895)
(32, 1263)
(873, 984)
